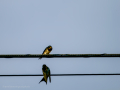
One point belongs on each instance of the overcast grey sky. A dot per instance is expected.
(71, 27)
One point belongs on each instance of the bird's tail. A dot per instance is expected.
(39, 58)
(43, 80)
(50, 78)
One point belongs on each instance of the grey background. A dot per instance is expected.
(71, 27)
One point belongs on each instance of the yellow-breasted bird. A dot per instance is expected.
(46, 73)
(47, 50)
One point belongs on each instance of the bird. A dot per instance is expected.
(46, 74)
(46, 51)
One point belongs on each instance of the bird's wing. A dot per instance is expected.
(42, 53)
(49, 76)
(44, 50)
(45, 76)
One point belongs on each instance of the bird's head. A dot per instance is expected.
(44, 67)
(50, 47)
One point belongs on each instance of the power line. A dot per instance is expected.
(65, 74)
(57, 55)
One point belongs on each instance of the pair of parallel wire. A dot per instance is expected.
(60, 56)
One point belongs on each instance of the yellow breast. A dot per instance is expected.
(46, 52)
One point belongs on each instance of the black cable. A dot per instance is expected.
(63, 74)
(57, 55)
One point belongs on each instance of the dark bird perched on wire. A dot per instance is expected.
(47, 50)
(46, 73)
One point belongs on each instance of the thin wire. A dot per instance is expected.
(57, 55)
(64, 74)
